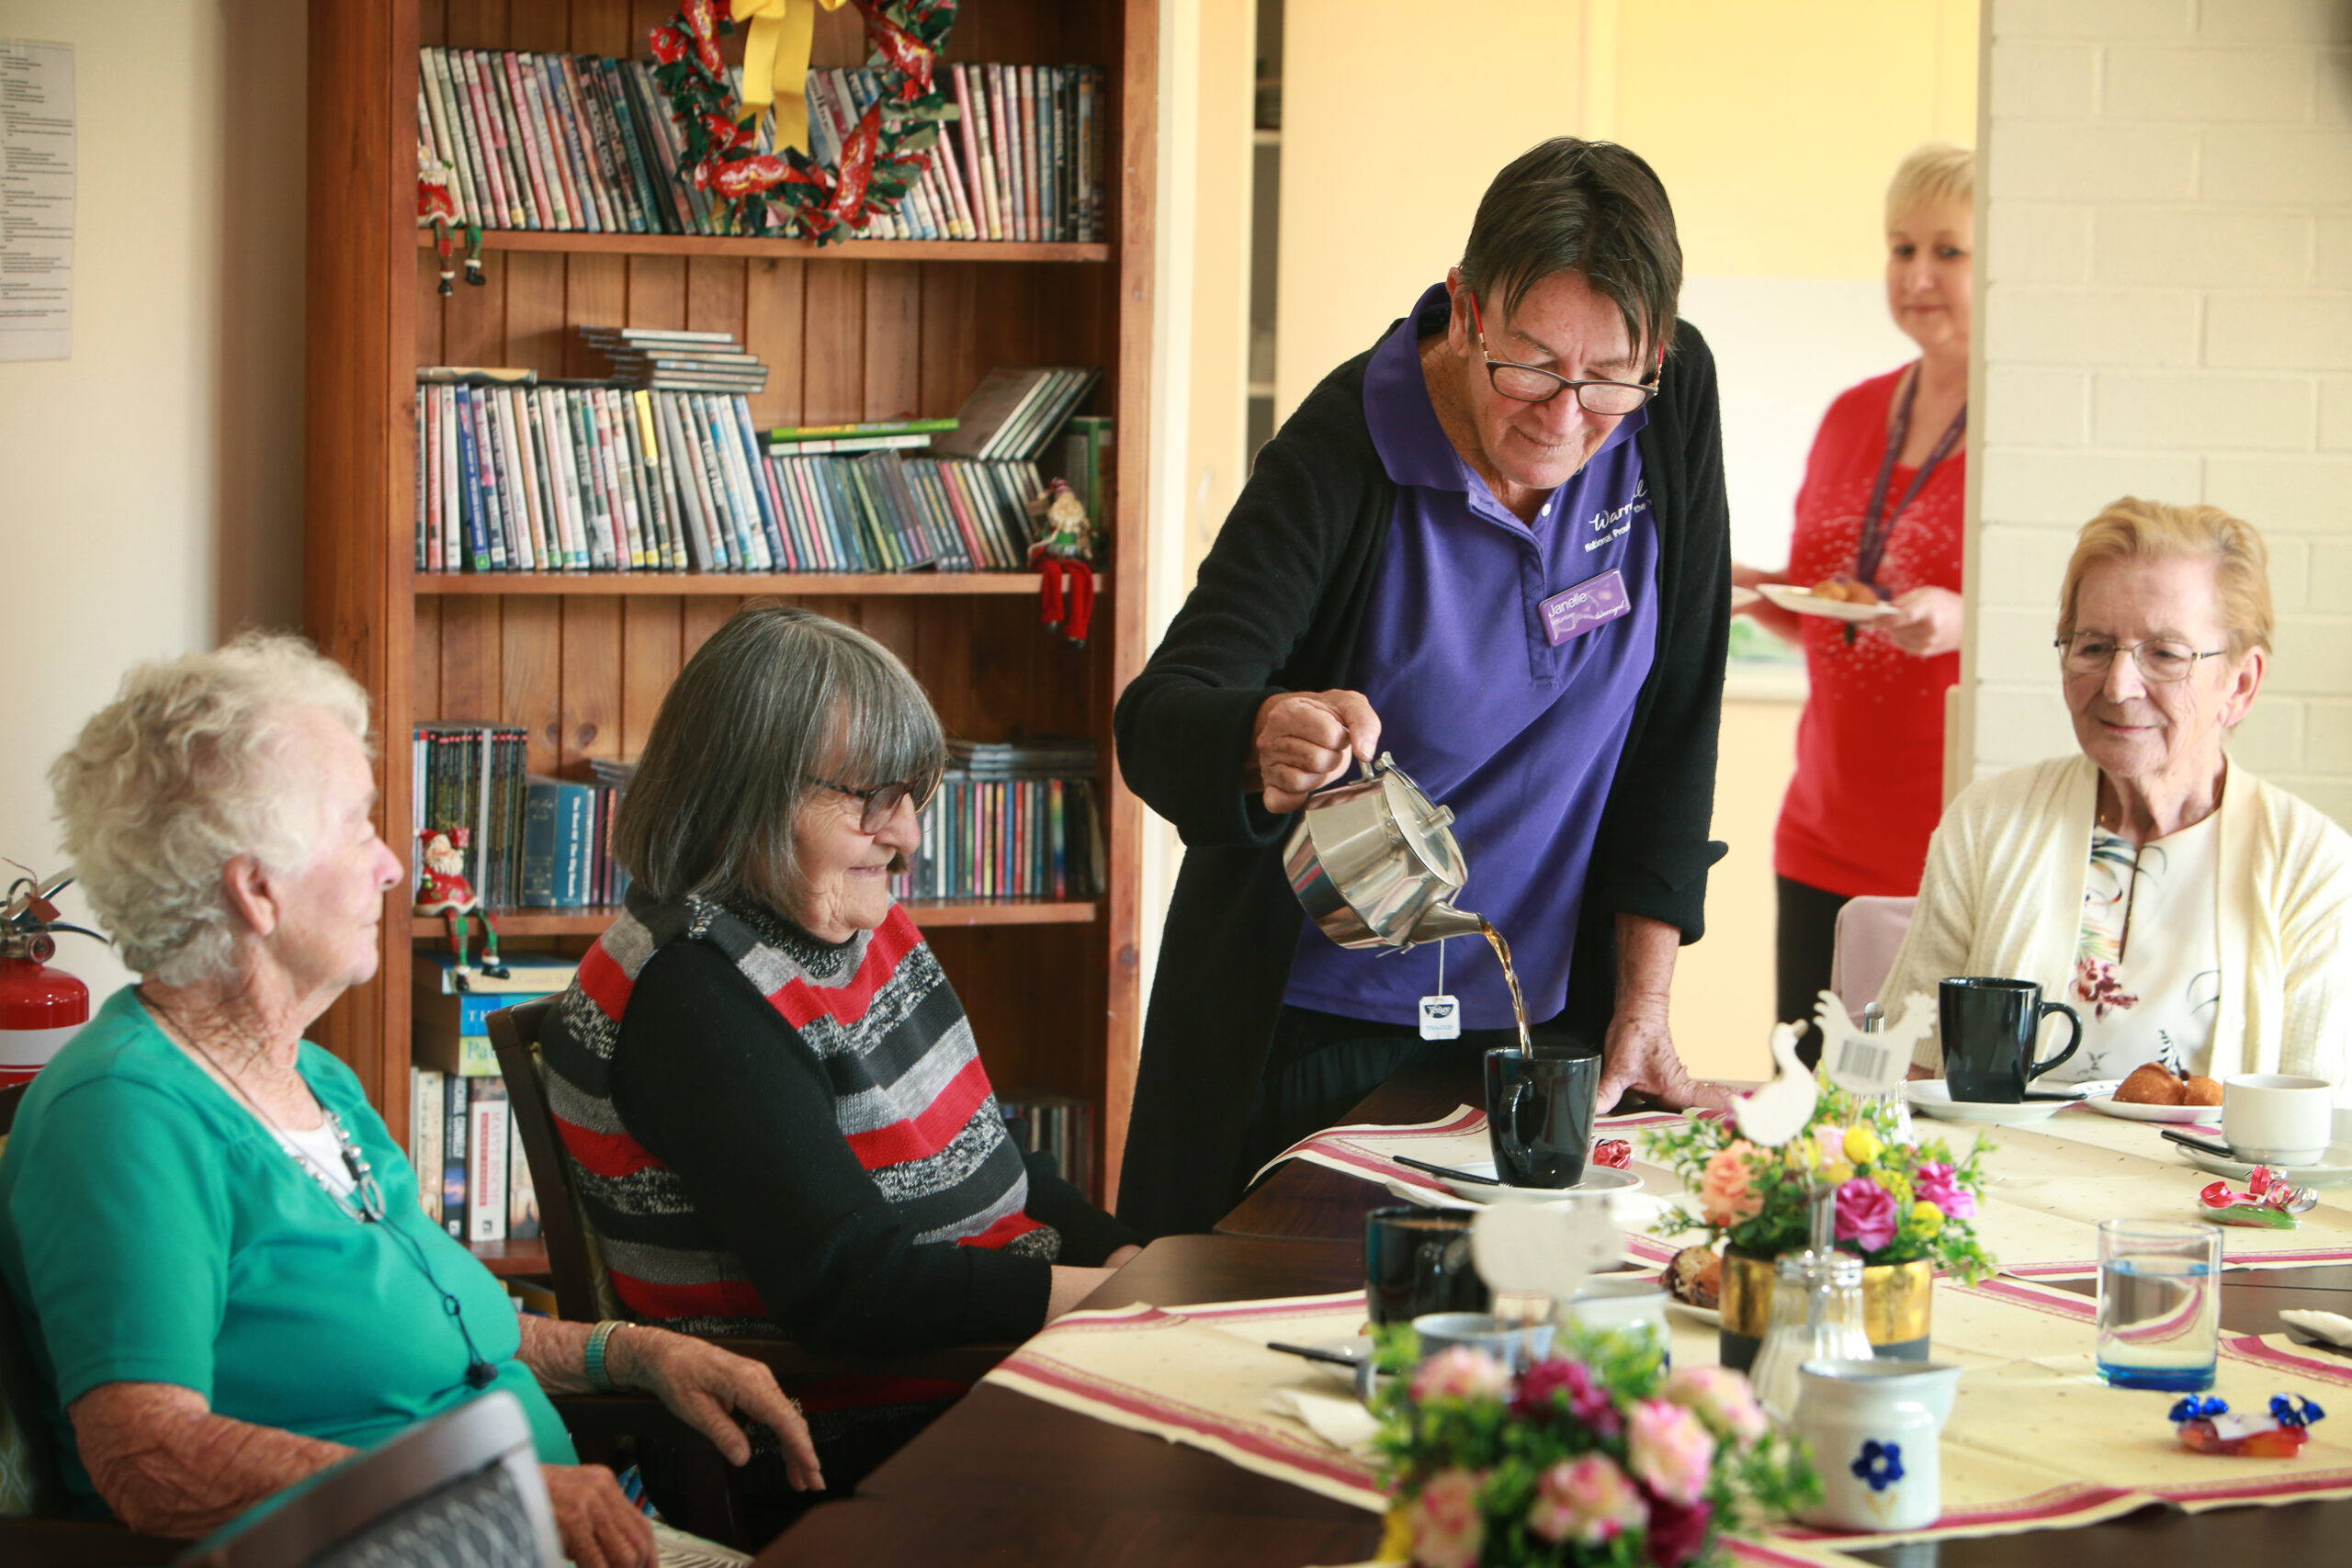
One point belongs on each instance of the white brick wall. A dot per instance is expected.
(2167, 267)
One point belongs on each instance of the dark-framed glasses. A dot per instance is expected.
(881, 804)
(2160, 658)
(1531, 384)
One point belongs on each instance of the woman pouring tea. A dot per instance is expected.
(1494, 545)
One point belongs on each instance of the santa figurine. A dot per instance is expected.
(447, 893)
(437, 209)
(1065, 544)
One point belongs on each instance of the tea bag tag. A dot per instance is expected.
(1440, 1015)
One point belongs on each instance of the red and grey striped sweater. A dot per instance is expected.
(910, 1099)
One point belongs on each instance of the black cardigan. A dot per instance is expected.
(1279, 607)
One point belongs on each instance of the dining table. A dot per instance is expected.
(1005, 1479)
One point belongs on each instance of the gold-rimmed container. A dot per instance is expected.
(1895, 1301)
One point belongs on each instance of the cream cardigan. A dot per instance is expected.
(2003, 895)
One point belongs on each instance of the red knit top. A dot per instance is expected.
(1869, 783)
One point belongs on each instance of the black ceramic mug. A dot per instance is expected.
(1539, 1114)
(1416, 1260)
(1990, 1028)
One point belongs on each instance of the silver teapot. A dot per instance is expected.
(1375, 861)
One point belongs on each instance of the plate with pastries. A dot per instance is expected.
(1838, 598)
(2155, 1093)
(1693, 1279)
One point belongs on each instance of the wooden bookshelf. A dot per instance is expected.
(863, 330)
(808, 250)
(508, 1259)
(794, 584)
(930, 915)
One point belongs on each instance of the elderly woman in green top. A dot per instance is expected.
(216, 1247)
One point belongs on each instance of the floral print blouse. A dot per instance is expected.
(2147, 962)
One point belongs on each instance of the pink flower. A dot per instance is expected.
(1587, 1500)
(1541, 1386)
(1447, 1528)
(1460, 1372)
(1726, 1192)
(1670, 1449)
(1934, 1181)
(1677, 1533)
(1722, 1399)
(1866, 1213)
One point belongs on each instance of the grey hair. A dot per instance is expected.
(179, 775)
(779, 699)
(1590, 208)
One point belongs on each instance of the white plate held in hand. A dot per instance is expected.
(1804, 602)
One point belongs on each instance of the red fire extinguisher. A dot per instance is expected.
(40, 1007)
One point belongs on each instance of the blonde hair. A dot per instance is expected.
(179, 775)
(1930, 173)
(2132, 529)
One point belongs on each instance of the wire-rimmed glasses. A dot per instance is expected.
(881, 803)
(2160, 659)
(1532, 384)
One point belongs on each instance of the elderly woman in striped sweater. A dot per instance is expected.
(771, 1096)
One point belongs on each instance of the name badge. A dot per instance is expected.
(1595, 602)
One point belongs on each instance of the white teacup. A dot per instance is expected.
(1516, 1344)
(2276, 1118)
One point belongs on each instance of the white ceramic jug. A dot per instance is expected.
(1876, 1429)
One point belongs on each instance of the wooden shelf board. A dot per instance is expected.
(745, 246)
(975, 912)
(506, 1258)
(798, 582)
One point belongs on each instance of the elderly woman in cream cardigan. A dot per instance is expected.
(2193, 914)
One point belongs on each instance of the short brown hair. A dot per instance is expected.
(1590, 208)
(2132, 529)
(778, 699)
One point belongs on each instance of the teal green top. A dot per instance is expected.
(152, 1230)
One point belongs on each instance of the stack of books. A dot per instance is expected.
(568, 844)
(587, 143)
(1010, 821)
(472, 1177)
(882, 512)
(1012, 414)
(680, 362)
(1058, 1124)
(469, 775)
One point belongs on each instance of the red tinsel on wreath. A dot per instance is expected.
(881, 160)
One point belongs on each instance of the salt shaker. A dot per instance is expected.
(1816, 1312)
(1874, 1022)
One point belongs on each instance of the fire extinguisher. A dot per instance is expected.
(40, 1008)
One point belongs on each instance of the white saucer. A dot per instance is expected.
(2177, 1115)
(1712, 1316)
(1804, 602)
(1597, 1178)
(1932, 1097)
(2333, 1169)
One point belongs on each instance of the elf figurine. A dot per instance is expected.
(448, 894)
(436, 209)
(1064, 548)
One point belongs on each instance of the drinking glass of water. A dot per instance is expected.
(2159, 1303)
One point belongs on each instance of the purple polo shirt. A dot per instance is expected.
(1520, 736)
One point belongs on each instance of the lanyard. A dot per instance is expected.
(1877, 524)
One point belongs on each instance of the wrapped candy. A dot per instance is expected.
(2207, 1426)
(1614, 1152)
(2270, 1202)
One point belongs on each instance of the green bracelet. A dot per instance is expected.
(593, 1361)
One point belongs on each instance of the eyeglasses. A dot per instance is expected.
(881, 802)
(1530, 384)
(2160, 658)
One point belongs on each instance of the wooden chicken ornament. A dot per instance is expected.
(1771, 1116)
(1870, 1064)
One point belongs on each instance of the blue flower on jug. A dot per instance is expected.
(1880, 1464)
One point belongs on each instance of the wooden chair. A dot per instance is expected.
(457, 1492)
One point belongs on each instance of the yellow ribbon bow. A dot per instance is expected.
(775, 63)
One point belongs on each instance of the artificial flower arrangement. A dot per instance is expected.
(1595, 1456)
(1897, 1203)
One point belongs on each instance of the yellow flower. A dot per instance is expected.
(1804, 1154)
(1837, 1173)
(1927, 1217)
(1861, 1144)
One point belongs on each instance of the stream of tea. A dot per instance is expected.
(1511, 976)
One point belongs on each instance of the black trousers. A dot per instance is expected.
(1808, 941)
(1321, 1065)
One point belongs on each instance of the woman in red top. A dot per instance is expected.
(1880, 505)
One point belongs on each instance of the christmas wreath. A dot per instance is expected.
(880, 159)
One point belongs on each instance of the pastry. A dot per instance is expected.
(1695, 1275)
(2201, 1090)
(2152, 1084)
